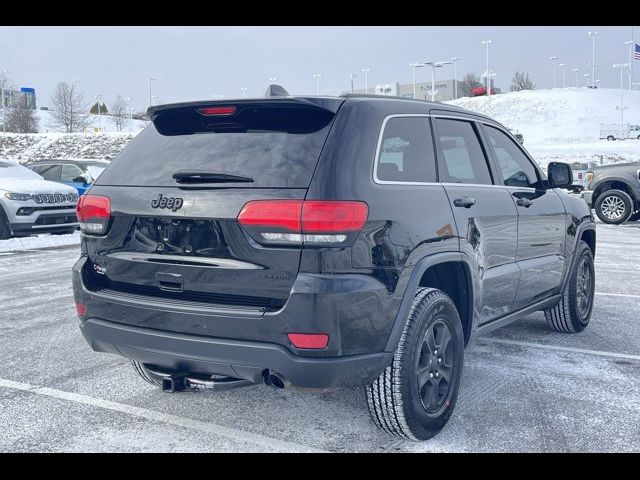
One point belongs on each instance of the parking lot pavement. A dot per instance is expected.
(525, 388)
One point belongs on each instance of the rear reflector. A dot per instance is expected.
(309, 340)
(295, 221)
(217, 111)
(94, 213)
(81, 308)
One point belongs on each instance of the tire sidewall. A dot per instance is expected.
(5, 230)
(422, 423)
(626, 199)
(584, 252)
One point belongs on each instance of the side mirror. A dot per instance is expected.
(84, 178)
(559, 175)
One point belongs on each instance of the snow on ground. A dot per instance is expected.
(97, 123)
(40, 241)
(563, 124)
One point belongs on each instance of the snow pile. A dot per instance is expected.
(40, 241)
(97, 123)
(561, 115)
(36, 146)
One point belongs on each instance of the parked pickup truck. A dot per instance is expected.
(614, 131)
(613, 191)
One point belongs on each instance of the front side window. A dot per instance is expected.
(70, 173)
(517, 170)
(463, 160)
(51, 172)
(406, 151)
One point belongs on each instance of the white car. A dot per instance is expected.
(30, 204)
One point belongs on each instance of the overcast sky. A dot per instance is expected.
(199, 62)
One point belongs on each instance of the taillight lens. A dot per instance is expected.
(299, 221)
(309, 340)
(81, 309)
(217, 111)
(94, 213)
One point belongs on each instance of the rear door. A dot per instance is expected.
(177, 189)
(486, 217)
(541, 219)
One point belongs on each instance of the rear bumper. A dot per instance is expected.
(239, 359)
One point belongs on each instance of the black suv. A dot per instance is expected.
(326, 242)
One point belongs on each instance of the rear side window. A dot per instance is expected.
(274, 146)
(50, 172)
(406, 151)
(462, 157)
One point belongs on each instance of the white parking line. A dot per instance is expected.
(263, 441)
(629, 295)
(564, 349)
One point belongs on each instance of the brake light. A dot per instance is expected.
(309, 340)
(298, 221)
(81, 309)
(217, 111)
(94, 213)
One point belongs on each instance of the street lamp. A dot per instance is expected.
(621, 67)
(433, 66)
(631, 44)
(415, 65)
(593, 55)
(272, 80)
(553, 59)
(351, 77)
(563, 66)
(317, 76)
(576, 70)
(151, 79)
(487, 43)
(492, 74)
(455, 61)
(366, 70)
(244, 91)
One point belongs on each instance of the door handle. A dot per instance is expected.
(524, 202)
(465, 202)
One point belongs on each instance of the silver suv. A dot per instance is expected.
(30, 204)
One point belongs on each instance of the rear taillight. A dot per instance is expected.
(94, 213)
(81, 309)
(309, 340)
(297, 221)
(217, 111)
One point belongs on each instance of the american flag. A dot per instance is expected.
(636, 53)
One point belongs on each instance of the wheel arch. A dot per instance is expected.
(447, 271)
(614, 183)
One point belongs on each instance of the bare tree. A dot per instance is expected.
(469, 82)
(119, 113)
(68, 109)
(21, 118)
(521, 81)
(6, 86)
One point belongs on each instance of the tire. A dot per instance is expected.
(611, 138)
(5, 229)
(617, 207)
(145, 374)
(394, 399)
(635, 216)
(573, 312)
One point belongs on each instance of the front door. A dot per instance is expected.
(486, 218)
(542, 220)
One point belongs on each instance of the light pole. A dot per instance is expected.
(366, 70)
(455, 61)
(553, 59)
(492, 74)
(126, 102)
(576, 70)
(487, 43)
(563, 66)
(593, 55)
(433, 66)
(317, 76)
(621, 67)
(631, 44)
(586, 82)
(151, 79)
(415, 65)
(244, 92)
(351, 77)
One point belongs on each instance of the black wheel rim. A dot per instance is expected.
(584, 288)
(435, 366)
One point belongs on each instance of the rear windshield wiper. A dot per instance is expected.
(209, 177)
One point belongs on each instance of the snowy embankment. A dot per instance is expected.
(564, 123)
(40, 241)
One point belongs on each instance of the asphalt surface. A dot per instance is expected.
(525, 388)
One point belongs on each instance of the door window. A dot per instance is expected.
(462, 157)
(70, 173)
(50, 172)
(517, 170)
(406, 152)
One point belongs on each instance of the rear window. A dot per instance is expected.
(276, 147)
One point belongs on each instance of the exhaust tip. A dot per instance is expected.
(275, 380)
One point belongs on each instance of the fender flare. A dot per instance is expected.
(412, 285)
(584, 226)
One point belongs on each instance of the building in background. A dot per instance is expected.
(14, 97)
(445, 90)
